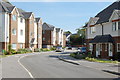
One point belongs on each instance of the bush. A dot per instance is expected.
(45, 49)
(99, 60)
(13, 51)
(37, 50)
(78, 55)
(21, 51)
(5, 52)
(53, 48)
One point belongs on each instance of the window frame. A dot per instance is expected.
(14, 17)
(22, 32)
(92, 30)
(13, 32)
(14, 45)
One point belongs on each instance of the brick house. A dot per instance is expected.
(48, 35)
(103, 33)
(9, 26)
(19, 28)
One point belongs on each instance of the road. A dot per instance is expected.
(47, 65)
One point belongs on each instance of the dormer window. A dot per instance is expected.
(115, 26)
(93, 30)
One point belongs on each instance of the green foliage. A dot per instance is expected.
(5, 52)
(9, 48)
(13, 51)
(53, 48)
(21, 51)
(78, 55)
(37, 50)
(45, 49)
(101, 61)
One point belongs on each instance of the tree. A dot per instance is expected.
(67, 32)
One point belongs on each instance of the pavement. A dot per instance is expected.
(106, 67)
(46, 65)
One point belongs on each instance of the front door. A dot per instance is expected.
(110, 50)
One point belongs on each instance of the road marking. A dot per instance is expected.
(30, 74)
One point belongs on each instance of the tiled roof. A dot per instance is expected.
(37, 19)
(47, 27)
(105, 15)
(27, 14)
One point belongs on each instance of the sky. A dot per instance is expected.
(66, 15)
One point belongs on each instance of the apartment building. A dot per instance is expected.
(48, 35)
(59, 37)
(103, 32)
(19, 28)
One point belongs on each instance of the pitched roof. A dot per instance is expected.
(105, 15)
(57, 29)
(47, 26)
(6, 7)
(102, 39)
(27, 14)
(37, 19)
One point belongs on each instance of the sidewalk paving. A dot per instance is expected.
(107, 67)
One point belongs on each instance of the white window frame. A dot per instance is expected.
(21, 32)
(21, 20)
(117, 47)
(14, 17)
(21, 46)
(14, 46)
(115, 26)
(13, 31)
(92, 30)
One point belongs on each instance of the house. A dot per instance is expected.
(9, 26)
(19, 28)
(103, 33)
(48, 35)
(59, 37)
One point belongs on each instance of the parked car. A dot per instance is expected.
(82, 49)
(59, 49)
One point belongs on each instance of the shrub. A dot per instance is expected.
(13, 51)
(45, 49)
(37, 50)
(5, 52)
(53, 48)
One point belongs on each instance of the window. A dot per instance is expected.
(13, 46)
(14, 31)
(21, 20)
(100, 47)
(31, 21)
(21, 46)
(14, 17)
(21, 32)
(43, 39)
(39, 35)
(43, 32)
(93, 30)
(118, 47)
(119, 25)
(115, 26)
(31, 33)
